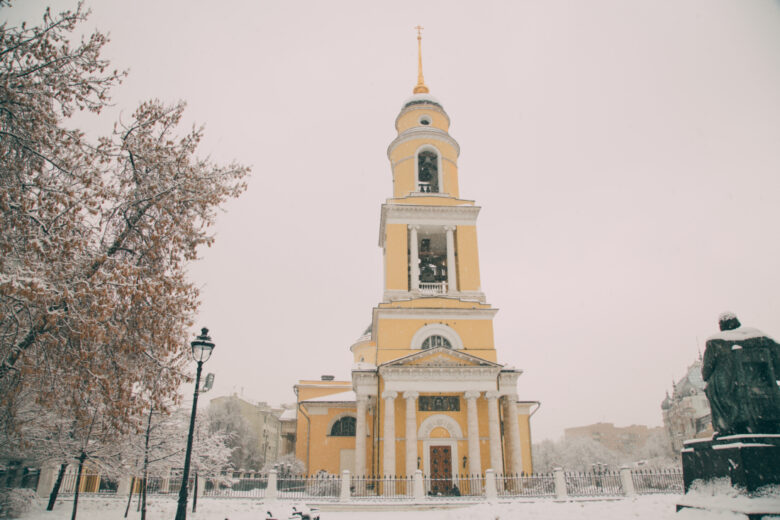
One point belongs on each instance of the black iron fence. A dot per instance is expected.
(604, 483)
(329, 487)
(657, 481)
(522, 485)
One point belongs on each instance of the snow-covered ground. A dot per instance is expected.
(660, 507)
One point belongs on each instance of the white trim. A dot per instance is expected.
(423, 434)
(429, 133)
(436, 329)
(428, 148)
(411, 313)
(424, 215)
(440, 420)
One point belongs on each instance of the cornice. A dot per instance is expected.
(426, 215)
(418, 132)
(415, 313)
(422, 106)
(439, 373)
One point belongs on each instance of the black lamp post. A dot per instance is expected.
(201, 352)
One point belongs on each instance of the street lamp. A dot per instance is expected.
(201, 352)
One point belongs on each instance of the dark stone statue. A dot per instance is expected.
(741, 367)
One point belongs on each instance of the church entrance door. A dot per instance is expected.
(441, 469)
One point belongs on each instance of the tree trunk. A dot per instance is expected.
(195, 493)
(130, 496)
(56, 489)
(82, 458)
(146, 461)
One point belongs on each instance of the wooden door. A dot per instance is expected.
(441, 469)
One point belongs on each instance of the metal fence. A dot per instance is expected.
(320, 486)
(325, 487)
(657, 481)
(19, 477)
(91, 483)
(605, 483)
(386, 487)
(453, 487)
(241, 487)
(522, 485)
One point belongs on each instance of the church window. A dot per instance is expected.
(428, 171)
(436, 341)
(425, 120)
(344, 427)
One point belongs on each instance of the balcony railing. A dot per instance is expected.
(433, 287)
(426, 187)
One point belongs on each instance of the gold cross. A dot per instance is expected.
(419, 31)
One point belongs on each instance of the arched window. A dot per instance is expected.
(344, 427)
(435, 341)
(428, 171)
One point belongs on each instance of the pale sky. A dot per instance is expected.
(625, 153)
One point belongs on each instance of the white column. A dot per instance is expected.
(513, 430)
(389, 432)
(495, 432)
(411, 432)
(475, 462)
(414, 258)
(360, 436)
(451, 273)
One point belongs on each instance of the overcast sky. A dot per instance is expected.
(625, 153)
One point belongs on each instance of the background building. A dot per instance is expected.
(687, 412)
(257, 429)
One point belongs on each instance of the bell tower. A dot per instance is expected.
(427, 391)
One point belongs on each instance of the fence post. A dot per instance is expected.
(490, 485)
(123, 488)
(46, 480)
(345, 483)
(560, 484)
(417, 486)
(627, 481)
(271, 488)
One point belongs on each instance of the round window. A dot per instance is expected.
(425, 120)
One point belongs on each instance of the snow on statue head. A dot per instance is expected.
(728, 321)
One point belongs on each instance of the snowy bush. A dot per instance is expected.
(15, 502)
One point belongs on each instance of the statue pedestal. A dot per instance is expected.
(749, 461)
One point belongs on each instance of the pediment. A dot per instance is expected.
(439, 357)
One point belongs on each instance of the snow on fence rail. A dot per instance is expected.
(657, 481)
(522, 485)
(606, 483)
(326, 487)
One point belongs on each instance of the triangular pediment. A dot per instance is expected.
(440, 357)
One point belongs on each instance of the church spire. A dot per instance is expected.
(420, 88)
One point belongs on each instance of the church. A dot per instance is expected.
(427, 390)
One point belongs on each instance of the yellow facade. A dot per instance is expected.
(427, 391)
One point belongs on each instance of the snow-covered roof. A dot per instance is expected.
(420, 98)
(290, 414)
(342, 397)
(738, 334)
